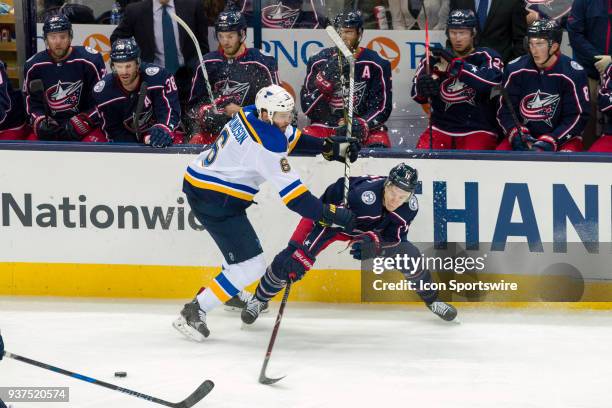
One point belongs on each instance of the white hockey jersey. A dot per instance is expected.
(248, 152)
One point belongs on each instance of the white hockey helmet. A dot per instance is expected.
(274, 98)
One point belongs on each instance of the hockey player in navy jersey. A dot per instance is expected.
(322, 93)
(236, 73)
(384, 207)
(459, 88)
(549, 94)
(117, 95)
(64, 110)
(223, 180)
(604, 142)
(12, 115)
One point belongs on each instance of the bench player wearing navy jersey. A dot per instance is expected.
(221, 183)
(384, 207)
(116, 97)
(604, 142)
(549, 94)
(322, 93)
(12, 115)
(65, 109)
(462, 112)
(236, 73)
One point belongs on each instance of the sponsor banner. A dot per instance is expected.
(128, 208)
(403, 49)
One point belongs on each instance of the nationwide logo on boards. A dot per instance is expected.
(100, 43)
(387, 49)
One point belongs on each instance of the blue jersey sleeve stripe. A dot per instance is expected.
(236, 186)
(289, 188)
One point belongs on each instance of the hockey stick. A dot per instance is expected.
(262, 375)
(190, 401)
(38, 87)
(427, 70)
(183, 24)
(333, 34)
(142, 94)
(517, 123)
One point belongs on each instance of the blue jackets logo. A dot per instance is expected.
(539, 107)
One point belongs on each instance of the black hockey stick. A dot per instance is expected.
(508, 102)
(142, 94)
(190, 401)
(38, 87)
(262, 375)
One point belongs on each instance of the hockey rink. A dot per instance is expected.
(333, 355)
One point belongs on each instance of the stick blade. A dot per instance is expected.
(269, 381)
(202, 391)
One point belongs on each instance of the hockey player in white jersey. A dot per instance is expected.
(222, 181)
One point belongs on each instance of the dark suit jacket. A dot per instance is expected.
(138, 22)
(505, 27)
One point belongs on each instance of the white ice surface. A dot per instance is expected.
(333, 355)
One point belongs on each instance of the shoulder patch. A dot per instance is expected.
(576, 66)
(99, 86)
(152, 71)
(285, 166)
(91, 50)
(368, 197)
(413, 203)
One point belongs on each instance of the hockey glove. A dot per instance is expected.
(520, 139)
(295, 267)
(78, 127)
(442, 53)
(367, 247)
(160, 136)
(225, 100)
(427, 86)
(339, 147)
(334, 216)
(544, 143)
(47, 128)
(210, 121)
(360, 129)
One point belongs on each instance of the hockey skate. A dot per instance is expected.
(252, 309)
(192, 322)
(444, 310)
(238, 302)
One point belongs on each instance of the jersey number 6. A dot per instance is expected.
(214, 149)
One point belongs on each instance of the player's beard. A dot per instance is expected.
(59, 53)
(131, 82)
(233, 51)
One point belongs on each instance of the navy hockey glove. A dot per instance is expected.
(545, 143)
(367, 247)
(339, 147)
(295, 267)
(160, 137)
(210, 121)
(334, 216)
(442, 53)
(360, 129)
(520, 139)
(427, 86)
(47, 128)
(79, 126)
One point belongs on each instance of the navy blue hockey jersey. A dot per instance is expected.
(605, 100)
(552, 101)
(68, 83)
(464, 104)
(373, 95)
(11, 103)
(117, 107)
(239, 78)
(365, 199)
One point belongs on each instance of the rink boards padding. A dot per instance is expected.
(112, 221)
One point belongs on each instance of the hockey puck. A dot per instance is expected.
(120, 374)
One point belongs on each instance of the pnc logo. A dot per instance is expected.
(387, 49)
(100, 43)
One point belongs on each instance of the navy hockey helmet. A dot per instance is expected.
(405, 177)
(349, 19)
(124, 50)
(546, 28)
(461, 18)
(55, 24)
(231, 20)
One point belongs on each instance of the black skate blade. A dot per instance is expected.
(269, 381)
